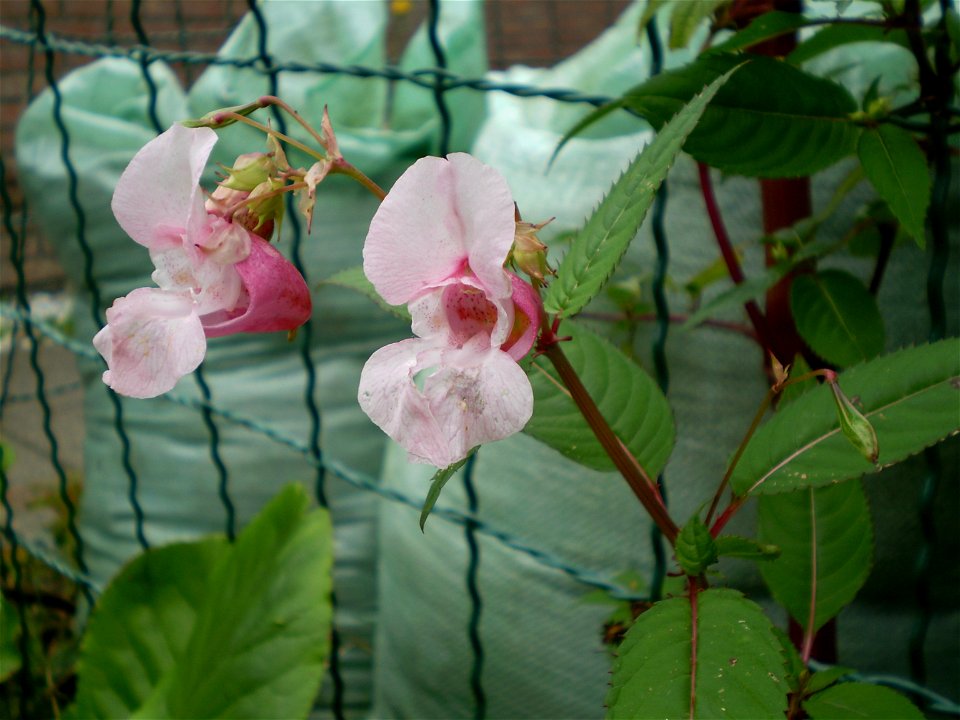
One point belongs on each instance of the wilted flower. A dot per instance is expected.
(438, 244)
(214, 277)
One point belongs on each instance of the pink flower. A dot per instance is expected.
(214, 277)
(438, 243)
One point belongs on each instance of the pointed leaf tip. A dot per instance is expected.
(440, 478)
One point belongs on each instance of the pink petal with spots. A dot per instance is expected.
(472, 395)
(526, 319)
(158, 198)
(275, 295)
(441, 216)
(151, 340)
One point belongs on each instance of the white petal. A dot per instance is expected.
(158, 198)
(440, 216)
(151, 340)
(389, 396)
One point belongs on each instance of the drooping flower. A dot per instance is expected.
(438, 244)
(214, 276)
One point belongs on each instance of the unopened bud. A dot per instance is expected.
(529, 254)
(855, 425)
(223, 117)
(249, 170)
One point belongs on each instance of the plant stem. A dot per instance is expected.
(270, 131)
(637, 478)
(730, 258)
(341, 167)
(267, 100)
(757, 418)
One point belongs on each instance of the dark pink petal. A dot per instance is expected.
(158, 197)
(277, 298)
(151, 340)
(526, 319)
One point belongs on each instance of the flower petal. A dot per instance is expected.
(151, 340)
(479, 395)
(158, 197)
(389, 396)
(277, 298)
(476, 394)
(526, 318)
(440, 215)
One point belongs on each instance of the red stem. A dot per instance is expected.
(637, 478)
(730, 259)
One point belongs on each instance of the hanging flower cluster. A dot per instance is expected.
(215, 274)
(438, 244)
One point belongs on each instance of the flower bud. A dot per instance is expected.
(529, 254)
(855, 425)
(250, 170)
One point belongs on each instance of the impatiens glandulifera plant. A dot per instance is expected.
(496, 353)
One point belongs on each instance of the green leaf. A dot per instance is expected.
(628, 398)
(261, 639)
(597, 249)
(910, 398)
(769, 25)
(795, 669)
(10, 660)
(769, 120)
(837, 317)
(439, 479)
(747, 548)
(354, 279)
(686, 18)
(849, 701)
(141, 626)
(897, 168)
(826, 540)
(695, 548)
(739, 667)
(825, 678)
(739, 294)
(834, 36)
(207, 629)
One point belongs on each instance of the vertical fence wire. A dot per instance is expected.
(17, 246)
(662, 308)
(306, 339)
(86, 251)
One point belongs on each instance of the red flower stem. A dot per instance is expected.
(220, 117)
(341, 167)
(636, 477)
(757, 418)
(268, 100)
(829, 375)
(730, 259)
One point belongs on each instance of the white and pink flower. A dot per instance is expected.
(214, 277)
(438, 244)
